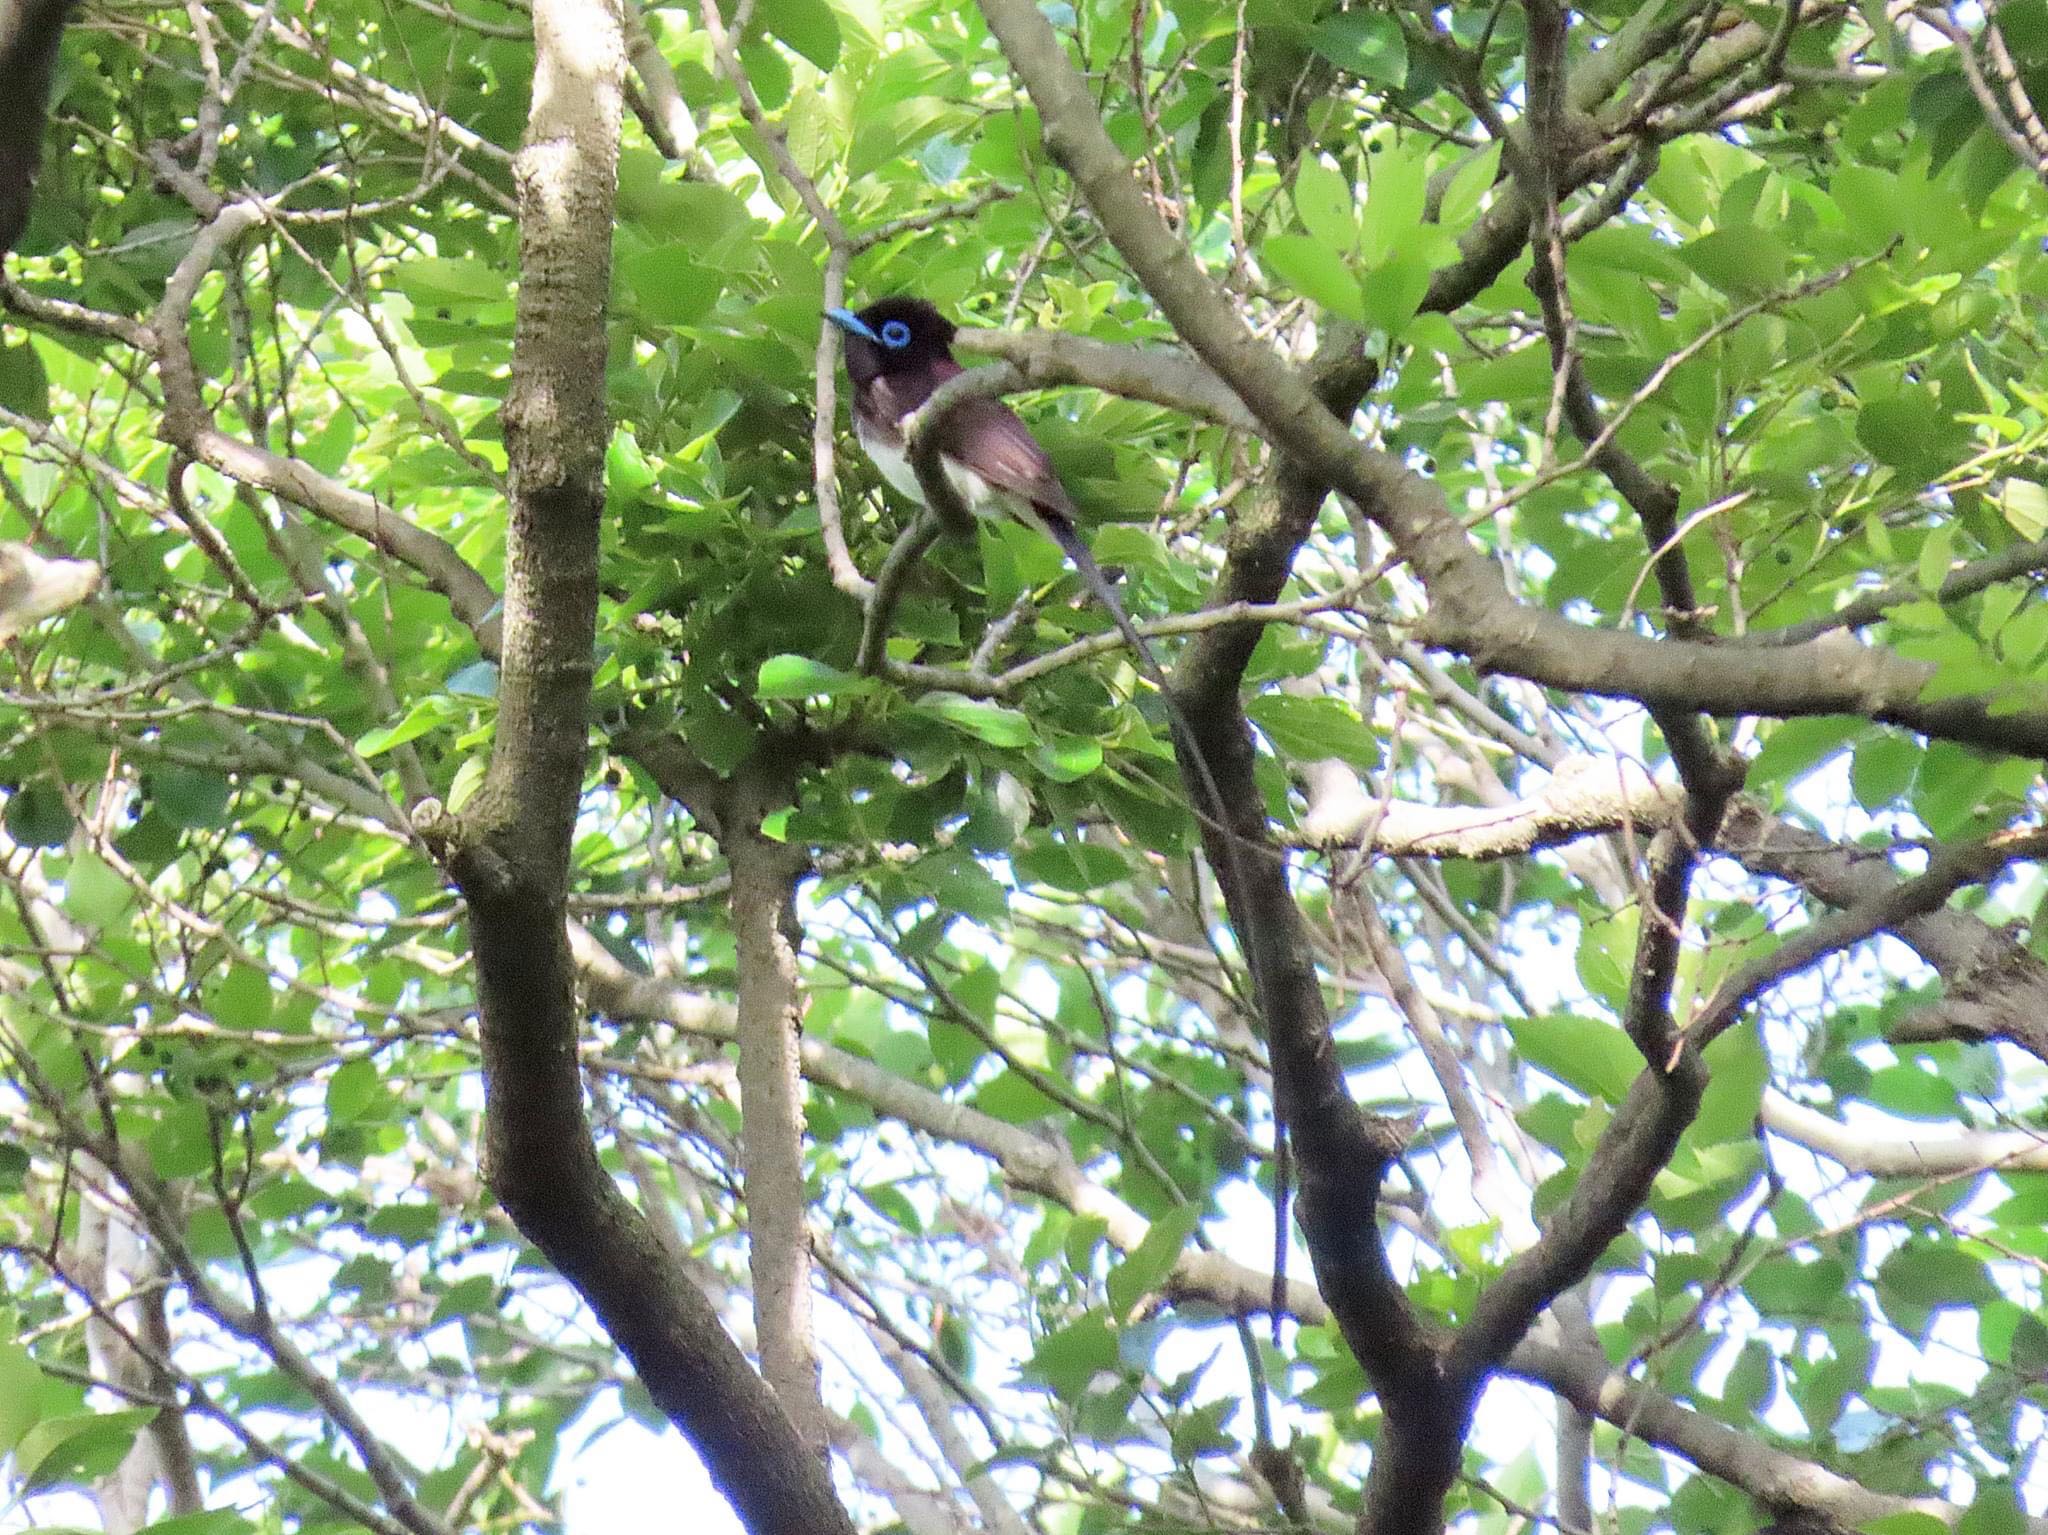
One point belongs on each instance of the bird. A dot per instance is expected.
(899, 350)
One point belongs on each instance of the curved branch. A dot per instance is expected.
(189, 425)
(1471, 610)
(1779, 1481)
(1162, 375)
(1029, 1162)
(1584, 797)
(1906, 1153)
(1948, 871)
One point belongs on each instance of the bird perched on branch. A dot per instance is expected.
(898, 352)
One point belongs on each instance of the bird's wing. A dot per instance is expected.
(982, 435)
(987, 437)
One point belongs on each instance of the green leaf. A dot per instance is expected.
(1882, 769)
(808, 26)
(1469, 186)
(1203, 1431)
(1993, 1511)
(671, 285)
(1067, 1360)
(769, 72)
(1936, 556)
(1076, 866)
(993, 723)
(1585, 1053)
(1910, 431)
(1365, 43)
(427, 714)
(1924, 1277)
(1750, 1379)
(1397, 191)
(1744, 263)
(37, 815)
(1015, 1099)
(213, 1521)
(24, 386)
(190, 798)
(1322, 200)
(242, 1000)
(351, 1090)
(1738, 1071)
(1316, 272)
(20, 1392)
(411, 1224)
(1152, 1259)
(1907, 1091)
(959, 883)
(1067, 759)
(77, 1447)
(181, 1144)
(2029, 1350)
(1310, 729)
(793, 676)
(93, 893)
(467, 1296)
(2024, 505)
(1787, 1286)
(469, 778)
(440, 281)
(955, 1049)
(1395, 289)
(1795, 747)
(893, 1205)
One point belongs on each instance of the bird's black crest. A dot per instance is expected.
(928, 336)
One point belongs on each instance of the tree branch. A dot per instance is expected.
(1470, 608)
(1779, 1481)
(770, 1021)
(188, 424)
(1948, 870)
(1163, 375)
(1584, 797)
(509, 855)
(1028, 1161)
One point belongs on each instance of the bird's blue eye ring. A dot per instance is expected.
(896, 334)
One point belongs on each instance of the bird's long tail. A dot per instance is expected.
(1068, 537)
(1212, 813)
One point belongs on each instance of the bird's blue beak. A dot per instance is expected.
(853, 324)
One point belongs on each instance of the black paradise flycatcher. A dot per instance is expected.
(898, 352)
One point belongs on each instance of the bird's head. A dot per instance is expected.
(892, 335)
